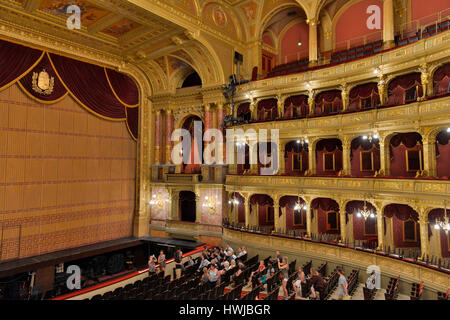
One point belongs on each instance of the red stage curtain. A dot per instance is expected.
(361, 93)
(26, 83)
(329, 145)
(124, 88)
(15, 61)
(89, 85)
(403, 212)
(104, 92)
(133, 121)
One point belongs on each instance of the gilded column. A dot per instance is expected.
(276, 212)
(380, 225)
(220, 144)
(313, 47)
(253, 149)
(198, 207)
(385, 159)
(158, 135)
(429, 156)
(173, 214)
(169, 129)
(308, 215)
(247, 210)
(388, 23)
(423, 222)
(281, 164)
(346, 150)
(342, 222)
(312, 155)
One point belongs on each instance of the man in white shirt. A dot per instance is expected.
(371, 281)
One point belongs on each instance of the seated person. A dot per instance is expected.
(269, 274)
(260, 269)
(213, 276)
(240, 269)
(189, 263)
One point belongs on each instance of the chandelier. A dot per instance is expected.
(298, 206)
(444, 223)
(303, 141)
(365, 213)
(371, 137)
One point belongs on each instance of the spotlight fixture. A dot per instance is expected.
(444, 223)
(299, 43)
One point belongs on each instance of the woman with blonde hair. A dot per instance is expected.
(284, 268)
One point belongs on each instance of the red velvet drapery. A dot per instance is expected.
(261, 199)
(102, 91)
(409, 139)
(328, 102)
(16, 61)
(441, 79)
(296, 106)
(398, 88)
(365, 95)
(325, 204)
(329, 145)
(403, 212)
(243, 109)
(267, 109)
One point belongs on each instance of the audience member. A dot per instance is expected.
(342, 285)
(283, 266)
(317, 284)
(162, 261)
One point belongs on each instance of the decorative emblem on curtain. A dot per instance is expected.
(43, 83)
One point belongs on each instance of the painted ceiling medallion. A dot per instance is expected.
(219, 17)
(43, 83)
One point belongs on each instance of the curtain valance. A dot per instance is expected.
(48, 78)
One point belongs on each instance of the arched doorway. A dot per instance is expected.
(187, 206)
